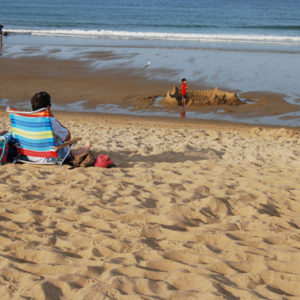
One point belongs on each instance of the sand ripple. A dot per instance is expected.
(191, 212)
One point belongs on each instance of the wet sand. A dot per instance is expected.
(70, 81)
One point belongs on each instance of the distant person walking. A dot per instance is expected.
(183, 91)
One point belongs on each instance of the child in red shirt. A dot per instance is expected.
(183, 91)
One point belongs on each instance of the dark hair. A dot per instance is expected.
(183, 79)
(40, 100)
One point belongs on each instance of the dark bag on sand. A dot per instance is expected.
(86, 159)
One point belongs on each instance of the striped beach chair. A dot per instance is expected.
(34, 137)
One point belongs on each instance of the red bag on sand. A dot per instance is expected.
(103, 161)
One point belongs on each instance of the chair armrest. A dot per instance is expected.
(68, 143)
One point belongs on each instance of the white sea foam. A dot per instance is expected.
(110, 34)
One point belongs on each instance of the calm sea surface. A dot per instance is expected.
(257, 23)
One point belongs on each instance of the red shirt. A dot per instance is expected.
(183, 88)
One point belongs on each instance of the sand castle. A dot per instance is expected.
(201, 97)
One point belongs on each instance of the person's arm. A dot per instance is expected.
(68, 137)
(3, 132)
(69, 133)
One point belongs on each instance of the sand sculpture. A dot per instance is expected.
(201, 97)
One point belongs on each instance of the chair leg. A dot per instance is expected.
(2, 154)
(62, 161)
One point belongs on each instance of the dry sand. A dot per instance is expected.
(193, 211)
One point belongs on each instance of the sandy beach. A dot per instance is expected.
(204, 200)
(193, 210)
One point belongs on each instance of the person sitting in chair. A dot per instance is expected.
(61, 133)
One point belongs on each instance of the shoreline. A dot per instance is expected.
(155, 121)
(116, 81)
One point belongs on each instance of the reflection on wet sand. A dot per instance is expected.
(77, 85)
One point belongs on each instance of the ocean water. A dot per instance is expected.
(263, 24)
